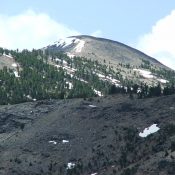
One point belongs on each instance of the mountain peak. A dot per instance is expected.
(101, 49)
(130, 63)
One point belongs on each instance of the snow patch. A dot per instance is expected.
(126, 88)
(92, 106)
(9, 56)
(70, 85)
(65, 141)
(64, 62)
(80, 79)
(94, 174)
(29, 97)
(98, 93)
(16, 74)
(57, 66)
(70, 55)
(57, 59)
(79, 46)
(64, 42)
(53, 142)
(68, 69)
(139, 90)
(108, 78)
(100, 75)
(150, 130)
(113, 81)
(163, 81)
(14, 65)
(144, 73)
(70, 165)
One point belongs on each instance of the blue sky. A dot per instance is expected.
(138, 23)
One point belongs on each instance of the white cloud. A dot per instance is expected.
(160, 42)
(31, 30)
(97, 33)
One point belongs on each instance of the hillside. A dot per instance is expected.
(103, 49)
(53, 73)
(99, 136)
(87, 106)
(130, 63)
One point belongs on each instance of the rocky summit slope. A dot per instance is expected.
(102, 136)
(102, 49)
(130, 63)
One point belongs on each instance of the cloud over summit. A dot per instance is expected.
(160, 42)
(31, 30)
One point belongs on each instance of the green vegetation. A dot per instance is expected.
(41, 79)
(45, 75)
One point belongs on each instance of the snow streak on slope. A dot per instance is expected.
(144, 73)
(16, 74)
(9, 55)
(64, 42)
(149, 75)
(79, 46)
(53, 142)
(14, 65)
(163, 80)
(150, 130)
(71, 72)
(108, 78)
(65, 141)
(70, 165)
(70, 55)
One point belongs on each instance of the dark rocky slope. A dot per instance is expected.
(102, 139)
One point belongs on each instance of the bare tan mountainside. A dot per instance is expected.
(130, 63)
(103, 49)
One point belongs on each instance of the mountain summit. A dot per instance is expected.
(130, 63)
(101, 49)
